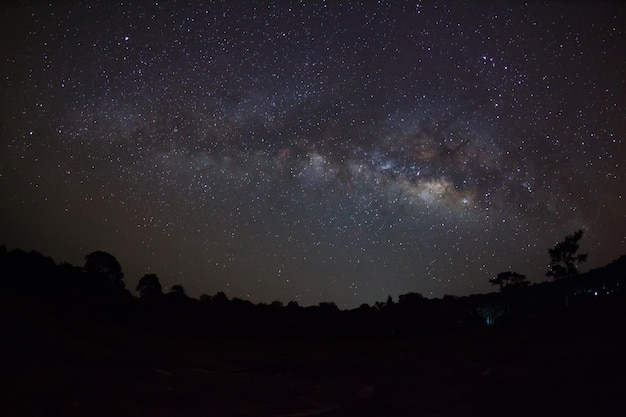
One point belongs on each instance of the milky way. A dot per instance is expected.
(314, 151)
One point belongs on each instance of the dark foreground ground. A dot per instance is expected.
(571, 364)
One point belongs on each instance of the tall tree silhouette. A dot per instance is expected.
(564, 259)
(149, 286)
(103, 268)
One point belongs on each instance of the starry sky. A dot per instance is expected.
(314, 151)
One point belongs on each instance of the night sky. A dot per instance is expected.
(314, 151)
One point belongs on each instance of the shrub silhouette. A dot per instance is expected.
(149, 286)
(177, 290)
(509, 279)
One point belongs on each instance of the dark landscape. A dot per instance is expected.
(74, 344)
(300, 208)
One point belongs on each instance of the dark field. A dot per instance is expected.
(567, 364)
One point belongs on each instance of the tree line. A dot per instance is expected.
(96, 291)
(564, 262)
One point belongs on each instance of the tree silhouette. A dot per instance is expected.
(509, 279)
(149, 286)
(220, 300)
(70, 279)
(563, 257)
(205, 298)
(177, 289)
(105, 269)
(410, 298)
(328, 306)
(410, 302)
(28, 271)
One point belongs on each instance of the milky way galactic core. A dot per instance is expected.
(314, 151)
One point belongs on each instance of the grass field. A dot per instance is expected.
(571, 364)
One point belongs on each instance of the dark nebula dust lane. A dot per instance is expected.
(314, 151)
